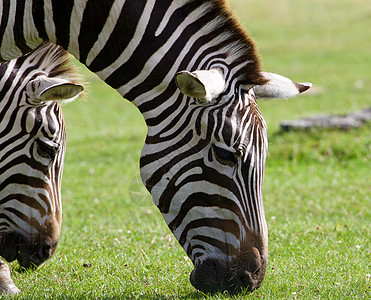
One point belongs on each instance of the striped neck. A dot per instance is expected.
(136, 46)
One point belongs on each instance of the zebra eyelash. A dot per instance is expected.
(224, 156)
(47, 148)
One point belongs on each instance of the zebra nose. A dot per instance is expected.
(33, 255)
(244, 280)
(211, 276)
(41, 254)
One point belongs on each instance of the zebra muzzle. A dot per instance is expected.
(213, 275)
(29, 253)
(34, 254)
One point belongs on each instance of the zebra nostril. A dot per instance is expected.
(39, 254)
(46, 251)
(243, 276)
(244, 280)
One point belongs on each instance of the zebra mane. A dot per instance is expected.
(242, 46)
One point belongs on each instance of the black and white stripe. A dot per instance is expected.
(32, 149)
(204, 156)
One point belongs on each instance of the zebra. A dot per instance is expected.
(32, 149)
(195, 76)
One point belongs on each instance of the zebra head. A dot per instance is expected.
(32, 147)
(205, 173)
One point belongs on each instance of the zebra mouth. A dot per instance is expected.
(32, 257)
(13, 246)
(212, 276)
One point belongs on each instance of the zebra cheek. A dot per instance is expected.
(52, 227)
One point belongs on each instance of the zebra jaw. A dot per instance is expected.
(204, 85)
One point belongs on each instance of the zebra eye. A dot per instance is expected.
(224, 156)
(47, 148)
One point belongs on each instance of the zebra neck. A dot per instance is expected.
(134, 46)
(129, 42)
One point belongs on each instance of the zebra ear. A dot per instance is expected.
(55, 89)
(203, 85)
(279, 87)
(65, 92)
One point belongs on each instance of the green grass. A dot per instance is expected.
(317, 189)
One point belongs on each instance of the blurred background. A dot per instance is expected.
(325, 42)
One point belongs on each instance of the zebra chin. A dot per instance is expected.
(214, 275)
(29, 252)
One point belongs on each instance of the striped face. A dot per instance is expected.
(32, 148)
(206, 177)
(205, 169)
